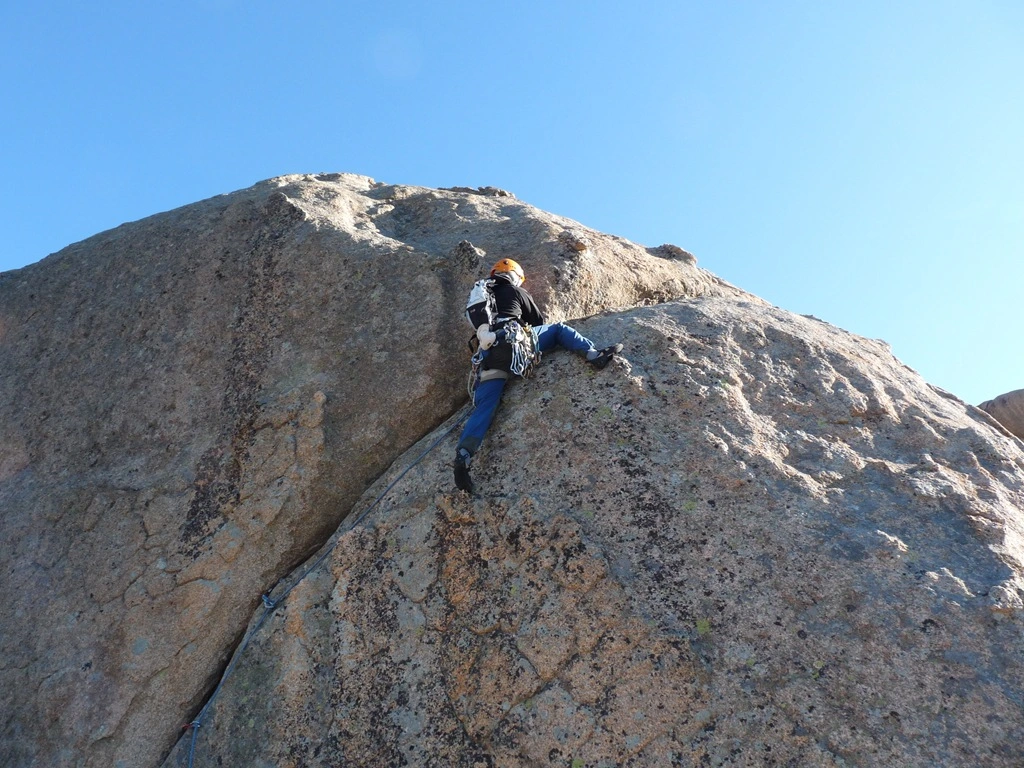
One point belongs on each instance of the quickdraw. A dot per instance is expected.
(474, 374)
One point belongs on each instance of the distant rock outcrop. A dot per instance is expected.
(190, 404)
(1008, 410)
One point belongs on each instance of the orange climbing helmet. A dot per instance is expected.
(512, 268)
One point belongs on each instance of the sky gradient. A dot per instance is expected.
(861, 162)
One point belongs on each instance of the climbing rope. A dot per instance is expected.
(270, 604)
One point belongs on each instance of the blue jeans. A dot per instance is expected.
(561, 335)
(488, 393)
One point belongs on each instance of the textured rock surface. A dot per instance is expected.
(1008, 410)
(754, 540)
(191, 403)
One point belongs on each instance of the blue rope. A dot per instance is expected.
(269, 604)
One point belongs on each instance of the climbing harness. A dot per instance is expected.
(269, 603)
(525, 353)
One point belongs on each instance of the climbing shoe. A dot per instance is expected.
(604, 356)
(463, 459)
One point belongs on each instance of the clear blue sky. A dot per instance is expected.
(859, 161)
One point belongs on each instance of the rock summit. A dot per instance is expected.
(754, 539)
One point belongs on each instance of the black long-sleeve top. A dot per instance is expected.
(515, 302)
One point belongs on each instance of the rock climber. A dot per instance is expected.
(513, 304)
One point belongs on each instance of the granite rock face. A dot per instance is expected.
(1008, 410)
(755, 539)
(190, 405)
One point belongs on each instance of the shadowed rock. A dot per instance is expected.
(190, 404)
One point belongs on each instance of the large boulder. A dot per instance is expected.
(192, 403)
(1008, 410)
(754, 540)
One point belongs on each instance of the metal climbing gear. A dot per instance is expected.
(525, 348)
(523, 354)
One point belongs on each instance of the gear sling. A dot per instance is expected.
(514, 349)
